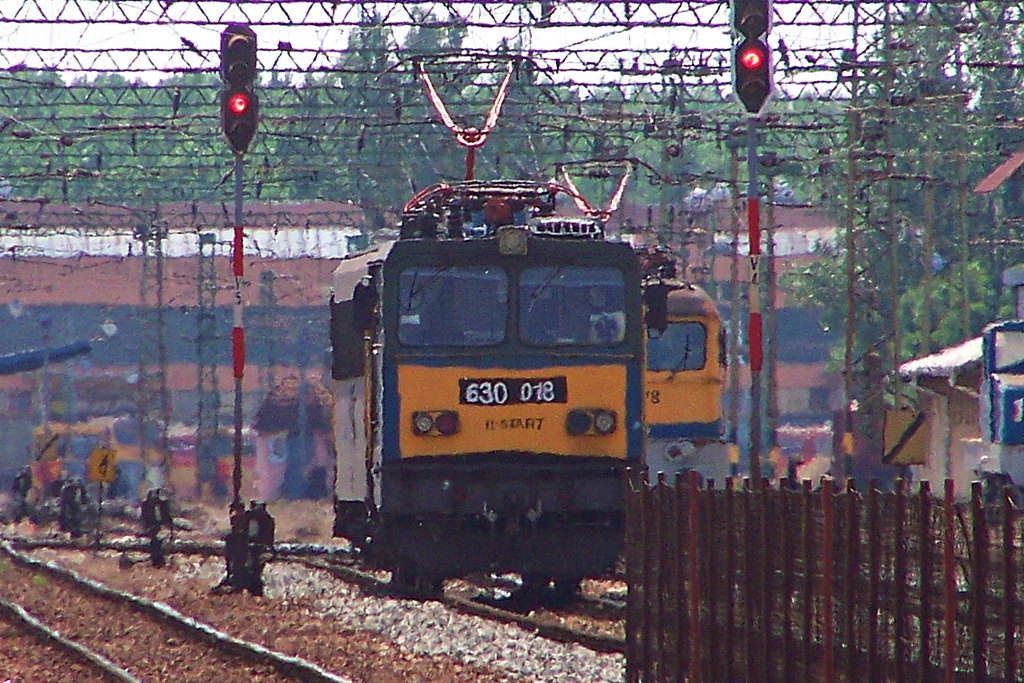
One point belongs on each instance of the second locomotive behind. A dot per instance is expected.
(684, 375)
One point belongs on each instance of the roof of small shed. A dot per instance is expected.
(954, 360)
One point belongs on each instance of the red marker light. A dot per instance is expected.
(238, 103)
(752, 58)
(447, 422)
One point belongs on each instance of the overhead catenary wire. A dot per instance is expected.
(123, 95)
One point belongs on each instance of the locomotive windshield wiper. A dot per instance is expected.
(414, 290)
(535, 294)
(681, 365)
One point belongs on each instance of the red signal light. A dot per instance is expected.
(447, 422)
(239, 117)
(238, 103)
(752, 58)
(752, 74)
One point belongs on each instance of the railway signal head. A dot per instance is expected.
(751, 18)
(751, 63)
(752, 75)
(239, 115)
(238, 55)
(239, 105)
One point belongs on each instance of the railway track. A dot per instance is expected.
(137, 637)
(540, 621)
(572, 623)
(25, 634)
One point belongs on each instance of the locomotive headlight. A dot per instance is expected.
(590, 421)
(512, 240)
(422, 423)
(435, 423)
(578, 422)
(604, 421)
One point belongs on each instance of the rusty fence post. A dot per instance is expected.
(979, 582)
(765, 494)
(749, 572)
(663, 558)
(693, 526)
(788, 576)
(926, 539)
(949, 578)
(631, 588)
(807, 525)
(1010, 589)
(646, 627)
(852, 577)
(874, 574)
(682, 656)
(711, 589)
(900, 581)
(827, 642)
(674, 594)
(730, 578)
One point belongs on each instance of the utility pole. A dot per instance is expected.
(845, 429)
(44, 393)
(961, 204)
(144, 233)
(268, 301)
(771, 320)
(151, 235)
(70, 390)
(166, 405)
(734, 299)
(893, 224)
(303, 413)
(207, 389)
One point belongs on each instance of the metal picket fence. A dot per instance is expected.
(824, 584)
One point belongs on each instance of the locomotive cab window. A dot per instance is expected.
(572, 306)
(1009, 351)
(454, 306)
(682, 346)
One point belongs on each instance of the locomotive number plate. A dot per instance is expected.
(508, 391)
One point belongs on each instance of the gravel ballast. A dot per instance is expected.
(311, 614)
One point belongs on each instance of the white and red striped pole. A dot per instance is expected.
(754, 321)
(238, 333)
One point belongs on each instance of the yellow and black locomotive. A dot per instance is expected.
(684, 374)
(502, 357)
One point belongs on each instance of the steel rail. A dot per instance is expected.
(286, 664)
(177, 546)
(17, 613)
(305, 555)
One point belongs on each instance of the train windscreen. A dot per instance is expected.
(572, 306)
(454, 306)
(682, 346)
(1009, 351)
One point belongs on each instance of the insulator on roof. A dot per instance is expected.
(561, 226)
